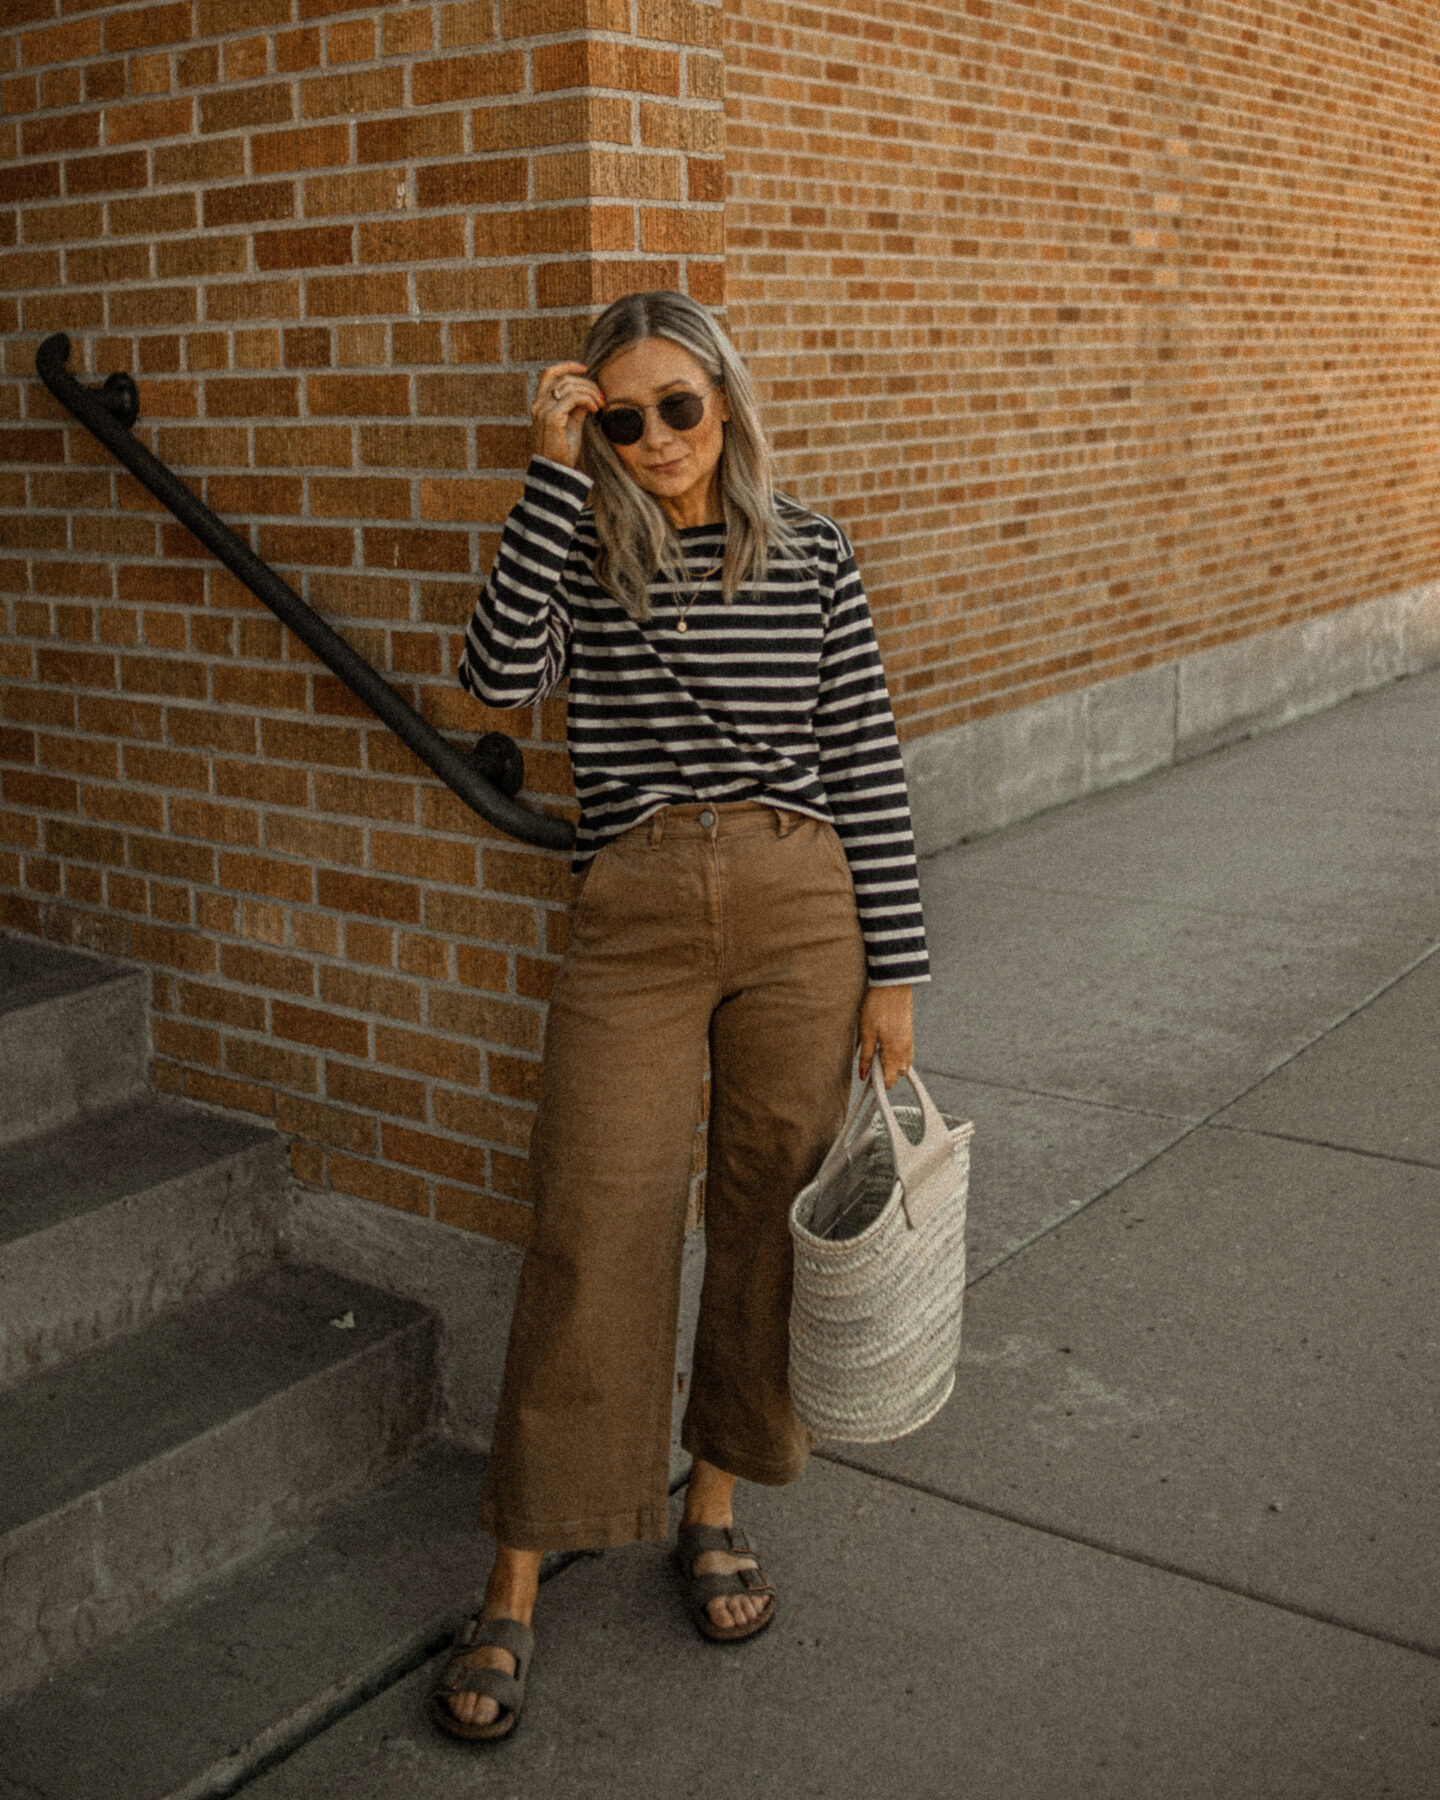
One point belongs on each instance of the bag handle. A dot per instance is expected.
(927, 1169)
(852, 1133)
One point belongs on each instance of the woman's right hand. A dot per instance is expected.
(565, 396)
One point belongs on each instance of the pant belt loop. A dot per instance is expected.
(657, 829)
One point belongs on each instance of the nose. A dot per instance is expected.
(656, 430)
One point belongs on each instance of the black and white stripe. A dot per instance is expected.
(779, 696)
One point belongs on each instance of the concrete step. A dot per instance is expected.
(262, 1658)
(115, 1216)
(74, 1035)
(135, 1472)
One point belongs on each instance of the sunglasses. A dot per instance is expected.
(626, 424)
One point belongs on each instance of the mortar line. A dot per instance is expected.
(1068, 1536)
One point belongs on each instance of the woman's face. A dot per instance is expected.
(680, 468)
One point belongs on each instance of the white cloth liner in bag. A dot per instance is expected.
(879, 1241)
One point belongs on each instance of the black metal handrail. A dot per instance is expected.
(485, 778)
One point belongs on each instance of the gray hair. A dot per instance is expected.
(637, 540)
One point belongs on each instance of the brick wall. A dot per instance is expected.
(1107, 327)
(335, 244)
(1104, 327)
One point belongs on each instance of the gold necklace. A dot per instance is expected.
(682, 613)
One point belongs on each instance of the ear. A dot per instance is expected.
(724, 407)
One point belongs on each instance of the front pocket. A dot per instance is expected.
(839, 861)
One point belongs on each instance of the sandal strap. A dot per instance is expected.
(501, 1634)
(463, 1677)
(697, 1540)
(706, 1588)
(505, 1690)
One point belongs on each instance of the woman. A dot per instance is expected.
(747, 890)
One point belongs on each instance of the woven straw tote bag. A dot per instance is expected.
(879, 1239)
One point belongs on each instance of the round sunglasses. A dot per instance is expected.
(626, 424)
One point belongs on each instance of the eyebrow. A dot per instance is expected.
(670, 387)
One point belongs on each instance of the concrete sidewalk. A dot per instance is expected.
(1178, 1532)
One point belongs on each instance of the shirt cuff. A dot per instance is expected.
(575, 478)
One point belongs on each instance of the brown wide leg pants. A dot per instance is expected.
(730, 929)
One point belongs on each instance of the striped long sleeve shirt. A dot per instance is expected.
(778, 696)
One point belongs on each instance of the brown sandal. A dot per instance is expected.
(695, 1541)
(463, 1677)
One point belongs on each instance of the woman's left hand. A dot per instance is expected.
(887, 1021)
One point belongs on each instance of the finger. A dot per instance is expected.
(867, 1050)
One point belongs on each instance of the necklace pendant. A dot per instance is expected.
(680, 625)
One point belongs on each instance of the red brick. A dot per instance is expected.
(90, 843)
(375, 1092)
(427, 1055)
(604, 64)
(297, 50)
(125, 806)
(307, 1025)
(373, 1181)
(371, 90)
(307, 545)
(187, 1043)
(225, 17)
(467, 77)
(469, 1015)
(251, 397)
(358, 396)
(150, 120)
(169, 856)
(459, 1160)
(475, 1116)
(249, 966)
(147, 27)
(76, 668)
(412, 240)
(433, 550)
(366, 993)
(470, 1211)
(311, 147)
(170, 675)
(397, 901)
(120, 718)
(187, 950)
(413, 135)
(267, 875)
(235, 108)
(213, 1090)
(214, 824)
(106, 174)
(325, 1124)
(314, 247)
(331, 746)
(221, 1005)
(269, 1063)
(51, 134)
(475, 182)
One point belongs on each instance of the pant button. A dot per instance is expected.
(707, 818)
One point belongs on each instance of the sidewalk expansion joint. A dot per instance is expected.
(269, 1748)
(1179, 1570)
(1319, 1143)
(1211, 1121)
